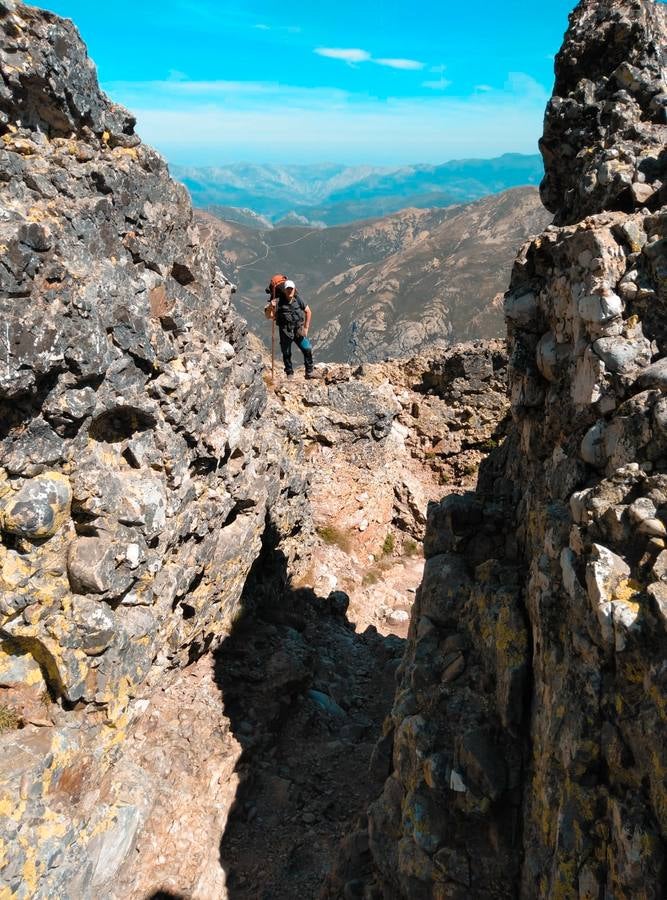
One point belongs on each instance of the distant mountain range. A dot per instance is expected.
(320, 195)
(392, 285)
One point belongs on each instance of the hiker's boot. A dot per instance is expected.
(308, 361)
(310, 374)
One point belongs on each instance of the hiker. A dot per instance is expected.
(292, 316)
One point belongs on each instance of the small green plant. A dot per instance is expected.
(388, 544)
(10, 720)
(469, 469)
(488, 446)
(334, 536)
(410, 547)
(371, 577)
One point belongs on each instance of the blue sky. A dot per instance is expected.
(380, 83)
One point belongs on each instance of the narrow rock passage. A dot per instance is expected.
(307, 681)
(306, 696)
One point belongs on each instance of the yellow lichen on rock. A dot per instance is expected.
(626, 590)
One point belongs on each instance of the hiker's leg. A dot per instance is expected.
(286, 348)
(305, 347)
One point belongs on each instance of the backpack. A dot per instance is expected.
(274, 284)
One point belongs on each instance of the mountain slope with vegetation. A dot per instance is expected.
(392, 285)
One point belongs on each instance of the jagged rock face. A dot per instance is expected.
(529, 726)
(135, 469)
(603, 143)
(591, 533)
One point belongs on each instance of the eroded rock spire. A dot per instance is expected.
(604, 138)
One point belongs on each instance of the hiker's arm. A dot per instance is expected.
(308, 315)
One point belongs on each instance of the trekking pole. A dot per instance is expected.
(273, 345)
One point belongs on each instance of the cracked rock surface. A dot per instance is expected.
(528, 729)
(603, 143)
(136, 469)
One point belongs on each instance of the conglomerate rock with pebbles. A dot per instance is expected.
(528, 731)
(136, 469)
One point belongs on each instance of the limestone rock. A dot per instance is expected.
(91, 565)
(655, 376)
(609, 71)
(95, 623)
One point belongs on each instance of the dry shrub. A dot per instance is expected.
(336, 537)
(10, 720)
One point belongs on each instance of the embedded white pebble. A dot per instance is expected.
(132, 554)
(578, 507)
(653, 526)
(641, 509)
(597, 309)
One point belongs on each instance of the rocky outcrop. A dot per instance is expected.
(604, 142)
(136, 470)
(528, 730)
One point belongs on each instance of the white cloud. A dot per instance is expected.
(348, 55)
(174, 94)
(525, 85)
(290, 29)
(483, 87)
(352, 55)
(408, 64)
(438, 85)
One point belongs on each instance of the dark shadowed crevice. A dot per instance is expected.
(120, 424)
(306, 696)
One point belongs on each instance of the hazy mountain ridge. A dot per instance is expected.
(391, 285)
(333, 194)
(442, 287)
